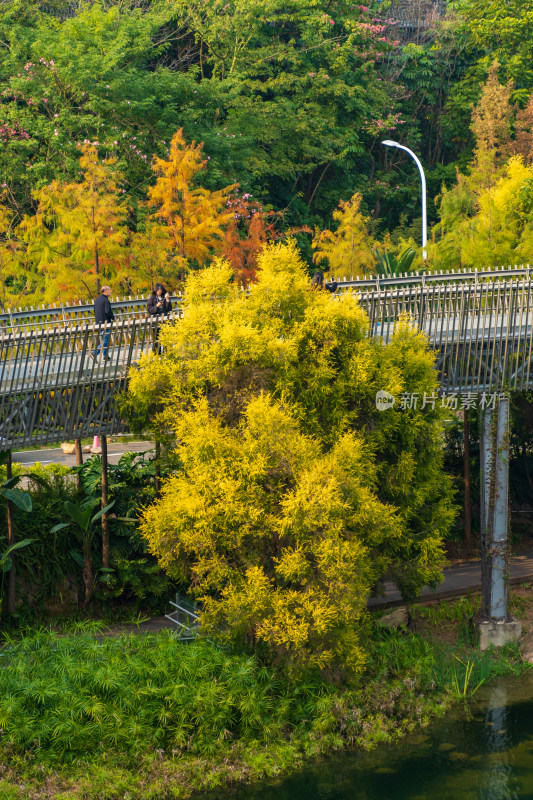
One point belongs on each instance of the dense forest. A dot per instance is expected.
(291, 100)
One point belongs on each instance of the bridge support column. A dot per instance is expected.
(499, 547)
(486, 464)
(497, 628)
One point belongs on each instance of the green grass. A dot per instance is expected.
(150, 717)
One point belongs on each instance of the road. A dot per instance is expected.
(56, 456)
(459, 579)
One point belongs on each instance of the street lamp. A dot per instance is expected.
(389, 143)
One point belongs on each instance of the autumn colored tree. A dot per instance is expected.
(78, 236)
(296, 495)
(191, 217)
(491, 126)
(349, 250)
(149, 263)
(523, 141)
(248, 232)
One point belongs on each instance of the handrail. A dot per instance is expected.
(129, 306)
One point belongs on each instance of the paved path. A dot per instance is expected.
(459, 579)
(56, 456)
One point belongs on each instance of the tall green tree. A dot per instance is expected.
(502, 31)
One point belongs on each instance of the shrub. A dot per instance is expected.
(296, 494)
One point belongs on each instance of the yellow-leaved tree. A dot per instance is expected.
(191, 218)
(77, 238)
(295, 494)
(349, 250)
(486, 219)
(149, 263)
(17, 279)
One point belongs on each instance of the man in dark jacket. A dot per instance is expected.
(103, 313)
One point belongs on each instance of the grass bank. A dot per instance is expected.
(148, 717)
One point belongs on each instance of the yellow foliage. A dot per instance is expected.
(17, 279)
(191, 218)
(295, 495)
(77, 239)
(498, 229)
(349, 250)
(264, 493)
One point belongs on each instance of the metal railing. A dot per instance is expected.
(53, 388)
(127, 307)
(49, 317)
(482, 332)
(62, 383)
(185, 617)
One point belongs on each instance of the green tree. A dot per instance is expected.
(502, 31)
(82, 520)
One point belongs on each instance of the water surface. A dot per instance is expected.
(480, 752)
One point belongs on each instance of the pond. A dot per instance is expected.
(483, 751)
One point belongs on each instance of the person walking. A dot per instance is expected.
(159, 301)
(103, 313)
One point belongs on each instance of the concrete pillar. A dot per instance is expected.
(499, 545)
(486, 516)
(497, 628)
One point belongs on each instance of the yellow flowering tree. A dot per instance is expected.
(295, 495)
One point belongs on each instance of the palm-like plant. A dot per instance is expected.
(22, 500)
(389, 265)
(6, 562)
(82, 520)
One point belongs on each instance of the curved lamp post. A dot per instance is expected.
(389, 143)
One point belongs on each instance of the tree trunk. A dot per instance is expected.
(11, 596)
(87, 571)
(96, 258)
(467, 505)
(105, 520)
(157, 467)
(79, 462)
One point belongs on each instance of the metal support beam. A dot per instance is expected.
(498, 591)
(494, 510)
(486, 462)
